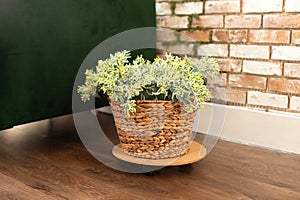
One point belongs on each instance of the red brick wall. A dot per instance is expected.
(257, 44)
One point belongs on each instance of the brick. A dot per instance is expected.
(228, 95)
(221, 81)
(284, 85)
(292, 70)
(235, 96)
(222, 6)
(218, 93)
(286, 53)
(262, 68)
(163, 9)
(172, 22)
(230, 65)
(180, 49)
(160, 46)
(220, 36)
(267, 99)
(218, 50)
(292, 6)
(238, 36)
(262, 6)
(281, 21)
(295, 103)
(189, 8)
(242, 21)
(269, 36)
(211, 21)
(166, 35)
(195, 36)
(230, 36)
(249, 51)
(247, 81)
(296, 37)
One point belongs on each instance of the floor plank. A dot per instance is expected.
(13, 189)
(46, 160)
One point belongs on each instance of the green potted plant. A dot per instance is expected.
(153, 103)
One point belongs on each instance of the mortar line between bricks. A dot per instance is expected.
(241, 6)
(291, 35)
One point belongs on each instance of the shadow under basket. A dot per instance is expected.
(158, 129)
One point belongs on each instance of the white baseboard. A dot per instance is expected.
(247, 126)
(271, 130)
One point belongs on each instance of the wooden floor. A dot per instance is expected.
(38, 161)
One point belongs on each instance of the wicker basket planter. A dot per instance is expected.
(154, 129)
(158, 129)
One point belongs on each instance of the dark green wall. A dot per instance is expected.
(43, 43)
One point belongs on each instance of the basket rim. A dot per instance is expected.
(149, 101)
(156, 101)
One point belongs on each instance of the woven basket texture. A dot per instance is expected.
(158, 129)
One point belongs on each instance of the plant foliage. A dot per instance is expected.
(172, 78)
